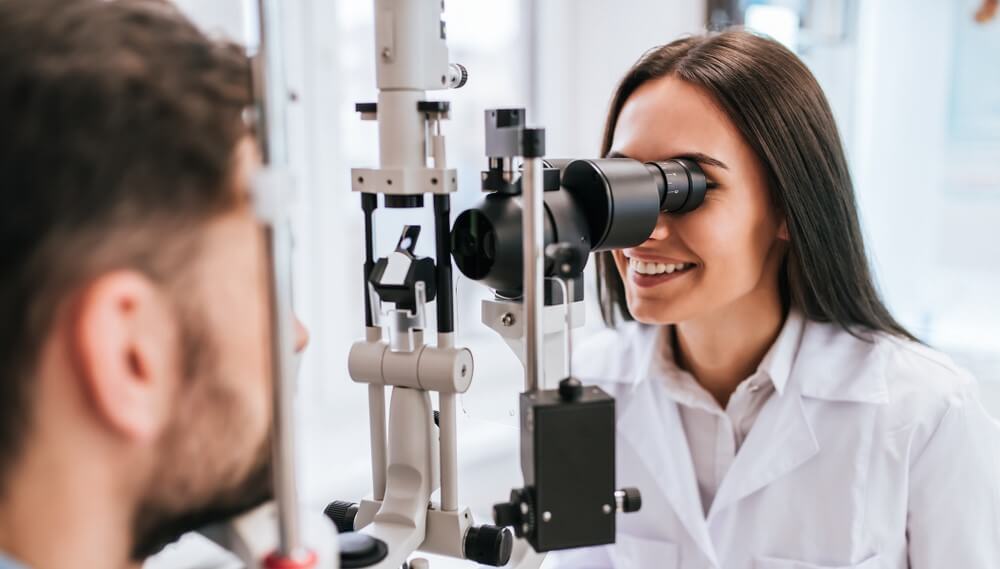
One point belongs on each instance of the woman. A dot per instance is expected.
(770, 408)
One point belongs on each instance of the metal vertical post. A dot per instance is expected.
(271, 187)
(533, 188)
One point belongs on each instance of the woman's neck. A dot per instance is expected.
(725, 347)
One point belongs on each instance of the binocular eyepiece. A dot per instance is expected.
(590, 205)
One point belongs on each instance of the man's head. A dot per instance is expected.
(132, 297)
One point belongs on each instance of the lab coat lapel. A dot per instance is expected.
(781, 440)
(830, 365)
(651, 423)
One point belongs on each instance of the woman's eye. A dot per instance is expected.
(711, 197)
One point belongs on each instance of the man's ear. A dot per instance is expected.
(123, 336)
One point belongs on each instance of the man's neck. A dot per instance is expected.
(724, 348)
(57, 513)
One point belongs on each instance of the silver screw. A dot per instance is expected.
(386, 53)
(524, 507)
(606, 509)
(507, 319)
(547, 516)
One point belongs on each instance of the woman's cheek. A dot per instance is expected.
(708, 235)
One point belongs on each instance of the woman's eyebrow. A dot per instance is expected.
(696, 156)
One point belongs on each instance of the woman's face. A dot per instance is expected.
(727, 250)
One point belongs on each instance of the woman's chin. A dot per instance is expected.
(654, 311)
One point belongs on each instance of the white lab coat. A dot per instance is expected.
(877, 455)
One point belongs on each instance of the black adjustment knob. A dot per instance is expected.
(437, 418)
(533, 142)
(402, 202)
(516, 513)
(507, 514)
(570, 389)
(360, 550)
(489, 545)
(632, 500)
(463, 75)
(342, 514)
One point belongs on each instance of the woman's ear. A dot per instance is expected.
(783, 230)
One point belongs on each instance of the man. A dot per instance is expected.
(135, 402)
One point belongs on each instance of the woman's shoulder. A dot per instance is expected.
(915, 384)
(925, 385)
(918, 369)
(935, 411)
(882, 364)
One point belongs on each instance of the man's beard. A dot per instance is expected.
(157, 524)
(202, 477)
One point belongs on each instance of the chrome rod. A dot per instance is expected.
(534, 270)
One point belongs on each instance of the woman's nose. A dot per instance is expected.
(301, 336)
(662, 229)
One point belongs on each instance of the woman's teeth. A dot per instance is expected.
(645, 268)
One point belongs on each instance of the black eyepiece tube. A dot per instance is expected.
(619, 197)
(622, 198)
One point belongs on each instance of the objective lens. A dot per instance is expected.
(474, 244)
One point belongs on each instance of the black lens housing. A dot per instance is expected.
(486, 239)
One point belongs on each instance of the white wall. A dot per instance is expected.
(223, 17)
(584, 48)
(931, 233)
(899, 133)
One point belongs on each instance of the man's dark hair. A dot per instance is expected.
(782, 114)
(120, 122)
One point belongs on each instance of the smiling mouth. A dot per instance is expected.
(649, 273)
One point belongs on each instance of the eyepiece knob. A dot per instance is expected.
(683, 184)
(458, 75)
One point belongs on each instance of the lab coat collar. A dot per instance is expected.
(776, 364)
(839, 366)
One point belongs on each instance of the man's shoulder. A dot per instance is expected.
(8, 563)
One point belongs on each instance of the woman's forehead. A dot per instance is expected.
(668, 117)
